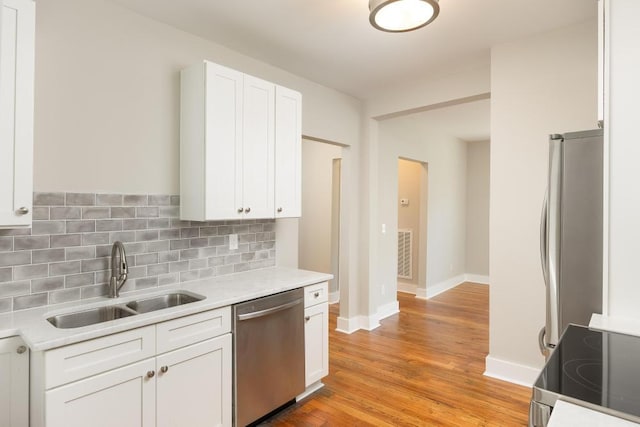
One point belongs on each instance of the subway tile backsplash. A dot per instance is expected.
(65, 255)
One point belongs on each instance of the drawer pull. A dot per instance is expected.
(151, 374)
(164, 369)
(307, 318)
(316, 295)
(21, 349)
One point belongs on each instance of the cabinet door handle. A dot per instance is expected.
(164, 369)
(151, 374)
(240, 210)
(22, 211)
(316, 295)
(21, 349)
(247, 210)
(279, 210)
(307, 318)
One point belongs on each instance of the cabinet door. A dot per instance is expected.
(288, 169)
(16, 111)
(194, 385)
(258, 148)
(316, 342)
(223, 142)
(123, 397)
(14, 383)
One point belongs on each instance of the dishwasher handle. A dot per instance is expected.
(268, 311)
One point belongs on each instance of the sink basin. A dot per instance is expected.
(89, 317)
(162, 301)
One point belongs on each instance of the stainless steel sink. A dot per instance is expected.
(90, 317)
(162, 301)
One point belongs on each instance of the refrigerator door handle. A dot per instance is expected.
(544, 238)
(554, 226)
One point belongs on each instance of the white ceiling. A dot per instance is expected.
(331, 41)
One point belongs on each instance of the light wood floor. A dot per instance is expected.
(422, 367)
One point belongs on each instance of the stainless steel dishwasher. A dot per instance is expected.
(268, 343)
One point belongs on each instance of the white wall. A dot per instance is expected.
(478, 208)
(446, 205)
(409, 215)
(539, 85)
(107, 98)
(314, 238)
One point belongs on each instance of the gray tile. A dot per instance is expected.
(78, 280)
(147, 212)
(175, 200)
(103, 276)
(15, 258)
(80, 199)
(66, 240)
(224, 229)
(256, 228)
(134, 224)
(268, 245)
(30, 242)
(15, 232)
(197, 264)
(232, 259)
(95, 264)
(6, 244)
(30, 301)
(159, 200)
(81, 252)
(6, 305)
(154, 270)
(66, 213)
(103, 251)
(218, 241)
(169, 211)
(207, 272)
(187, 233)
(215, 261)
(159, 223)
(209, 251)
(145, 236)
(271, 226)
(146, 259)
(89, 239)
(82, 226)
(136, 248)
(247, 238)
(187, 254)
(48, 199)
(94, 291)
(272, 256)
(224, 269)
(48, 227)
(109, 225)
(173, 233)
(178, 266)
(123, 212)
(96, 213)
(66, 295)
(198, 242)
(146, 282)
(31, 271)
(6, 274)
(47, 284)
(158, 246)
(64, 268)
(262, 255)
(138, 272)
(109, 199)
(135, 200)
(122, 236)
(239, 268)
(15, 288)
(249, 256)
(169, 256)
(168, 279)
(179, 244)
(186, 276)
(40, 213)
(208, 231)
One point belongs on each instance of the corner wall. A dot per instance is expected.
(478, 210)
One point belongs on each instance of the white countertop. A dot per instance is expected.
(566, 414)
(615, 324)
(221, 291)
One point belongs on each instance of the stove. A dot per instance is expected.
(595, 369)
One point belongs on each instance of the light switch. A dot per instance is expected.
(233, 242)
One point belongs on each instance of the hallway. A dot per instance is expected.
(421, 367)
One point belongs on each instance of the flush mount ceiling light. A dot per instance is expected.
(397, 16)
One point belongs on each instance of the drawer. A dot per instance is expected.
(315, 294)
(192, 329)
(76, 361)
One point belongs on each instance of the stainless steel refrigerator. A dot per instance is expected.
(571, 233)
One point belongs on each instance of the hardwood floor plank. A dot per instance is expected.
(422, 367)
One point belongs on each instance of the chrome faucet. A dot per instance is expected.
(118, 275)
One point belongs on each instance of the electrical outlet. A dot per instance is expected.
(233, 242)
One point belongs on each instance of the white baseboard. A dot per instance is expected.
(509, 371)
(334, 297)
(407, 288)
(368, 323)
(310, 390)
(444, 286)
(387, 310)
(421, 293)
(476, 278)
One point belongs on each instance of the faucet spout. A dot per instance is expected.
(119, 269)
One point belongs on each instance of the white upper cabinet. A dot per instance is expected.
(17, 49)
(288, 153)
(229, 129)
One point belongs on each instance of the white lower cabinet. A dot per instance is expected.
(316, 336)
(14, 383)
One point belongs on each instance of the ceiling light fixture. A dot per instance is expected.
(398, 16)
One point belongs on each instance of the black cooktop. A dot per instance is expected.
(601, 368)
